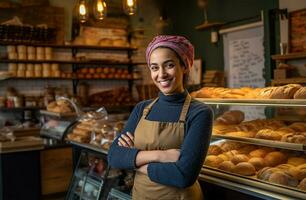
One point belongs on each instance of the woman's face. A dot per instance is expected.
(166, 71)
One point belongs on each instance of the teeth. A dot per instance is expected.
(165, 83)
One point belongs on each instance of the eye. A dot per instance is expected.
(170, 65)
(154, 68)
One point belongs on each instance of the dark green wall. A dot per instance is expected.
(185, 15)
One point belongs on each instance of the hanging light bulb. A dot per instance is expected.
(129, 6)
(83, 12)
(100, 9)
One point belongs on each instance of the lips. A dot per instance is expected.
(165, 83)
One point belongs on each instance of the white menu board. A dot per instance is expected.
(244, 64)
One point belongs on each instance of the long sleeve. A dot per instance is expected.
(121, 157)
(184, 172)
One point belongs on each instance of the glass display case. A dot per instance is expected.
(261, 152)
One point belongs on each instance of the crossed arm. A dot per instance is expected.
(143, 158)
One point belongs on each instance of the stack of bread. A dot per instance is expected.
(260, 162)
(290, 91)
(104, 73)
(231, 124)
(60, 106)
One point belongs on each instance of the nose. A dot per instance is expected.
(162, 72)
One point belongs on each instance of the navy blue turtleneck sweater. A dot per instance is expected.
(198, 125)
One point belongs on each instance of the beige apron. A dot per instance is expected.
(155, 135)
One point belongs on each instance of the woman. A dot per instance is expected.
(166, 140)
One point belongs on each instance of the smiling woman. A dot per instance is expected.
(165, 140)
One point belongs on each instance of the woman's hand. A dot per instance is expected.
(170, 155)
(126, 140)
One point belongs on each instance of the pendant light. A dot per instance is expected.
(100, 9)
(83, 11)
(129, 6)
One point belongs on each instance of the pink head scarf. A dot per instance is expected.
(178, 44)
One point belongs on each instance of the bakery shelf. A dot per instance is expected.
(290, 56)
(21, 108)
(72, 46)
(262, 142)
(250, 186)
(89, 146)
(92, 62)
(255, 102)
(299, 80)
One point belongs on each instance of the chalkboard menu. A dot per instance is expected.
(297, 30)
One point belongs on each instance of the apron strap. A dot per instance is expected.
(147, 109)
(185, 109)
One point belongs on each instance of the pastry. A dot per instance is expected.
(226, 166)
(213, 161)
(268, 134)
(302, 185)
(241, 134)
(275, 158)
(283, 178)
(239, 158)
(244, 168)
(257, 162)
(258, 153)
(296, 161)
(300, 93)
(214, 150)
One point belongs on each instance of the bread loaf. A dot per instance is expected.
(296, 161)
(268, 134)
(239, 158)
(244, 168)
(302, 185)
(283, 178)
(213, 161)
(259, 153)
(231, 117)
(241, 134)
(300, 93)
(257, 162)
(227, 166)
(275, 158)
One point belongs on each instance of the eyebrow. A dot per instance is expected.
(170, 60)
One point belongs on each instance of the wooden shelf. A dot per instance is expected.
(288, 81)
(207, 25)
(98, 62)
(72, 46)
(290, 56)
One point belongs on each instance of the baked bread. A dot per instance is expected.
(298, 126)
(301, 172)
(247, 149)
(259, 153)
(300, 93)
(227, 166)
(296, 161)
(228, 146)
(239, 158)
(265, 173)
(213, 161)
(268, 134)
(302, 185)
(244, 168)
(257, 162)
(283, 178)
(275, 158)
(225, 157)
(215, 150)
(241, 134)
(231, 117)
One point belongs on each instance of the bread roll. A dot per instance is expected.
(225, 157)
(227, 146)
(258, 153)
(213, 161)
(296, 161)
(257, 162)
(301, 171)
(244, 168)
(302, 185)
(265, 173)
(226, 166)
(231, 117)
(275, 158)
(298, 126)
(239, 158)
(268, 134)
(214, 150)
(283, 178)
(247, 149)
(241, 134)
(300, 93)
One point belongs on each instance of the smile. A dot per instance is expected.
(165, 83)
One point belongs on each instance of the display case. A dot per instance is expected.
(261, 154)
